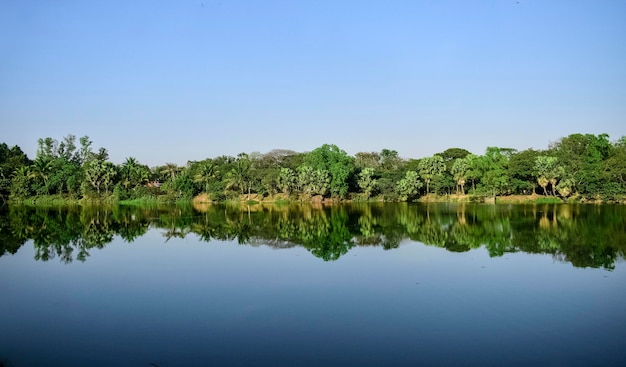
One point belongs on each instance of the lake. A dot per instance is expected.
(306, 285)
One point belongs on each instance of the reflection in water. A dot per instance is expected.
(586, 236)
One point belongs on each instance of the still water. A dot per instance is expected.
(299, 285)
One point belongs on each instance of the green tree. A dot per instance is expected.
(313, 181)
(239, 175)
(450, 155)
(367, 182)
(548, 170)
(99, 176)
(522, 171)
(367, 159)
(287, 180)
(337, 163)
(11, 159)
(460, 170)
(21, 182)
(430, 168)
(42, 167)
(389, 160)
(205, 174)
(582, 157)
(614, 167)
(170, 170)
(494, 167)
(408, 187)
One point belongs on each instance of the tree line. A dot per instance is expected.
(576, 167)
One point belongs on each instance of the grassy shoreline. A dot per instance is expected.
(58, 200)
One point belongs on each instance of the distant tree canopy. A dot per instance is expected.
(579, 165)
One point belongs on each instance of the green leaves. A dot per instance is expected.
(431, 167)
(407, 188)
(367, 182)
(337, 163)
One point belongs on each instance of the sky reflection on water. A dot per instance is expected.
(189, 303)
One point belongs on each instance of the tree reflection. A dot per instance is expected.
(585, 236)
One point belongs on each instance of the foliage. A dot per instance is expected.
(431, 168)
(548, 171)
(367, 182)
(578, 167)
(409, 186)
(460, 171)
(522, 171)
(337, 163)
(493, 167)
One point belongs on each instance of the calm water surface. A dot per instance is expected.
(360, 285)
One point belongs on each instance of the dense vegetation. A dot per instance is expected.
(578, 167)
(586, 236)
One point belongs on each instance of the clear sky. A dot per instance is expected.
(171, 81)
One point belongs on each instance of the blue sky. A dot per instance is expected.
(171, 81)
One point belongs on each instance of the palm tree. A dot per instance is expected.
(129, 172)
(42, 168)
(239, 175)
(170, 169)
(206, 172)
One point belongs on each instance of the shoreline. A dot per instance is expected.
(283, 199)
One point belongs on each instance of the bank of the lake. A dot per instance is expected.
(203, 199)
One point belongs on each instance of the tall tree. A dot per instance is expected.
(337, 163)
(494, 165)
(239, 175)
(205, 174)
(170, 170)
(430, 168)
(367, 182)
(548, 170)
(99, 175)
(287, 180)
(42, 167)
(521, 171)
(408, 187)
(460, 169)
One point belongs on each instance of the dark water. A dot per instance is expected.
(360, 285)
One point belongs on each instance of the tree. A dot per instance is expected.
(450, 155)
(287, 180)
(20, 182)
(11, 159)
(522, 171)
(581, 157)
(42, 167)
(367, 182)
(47, 148)
(367, 159)
(460, 169)
(313, 181)
(430, 168)
(475, 171)
(205, 174)
(99, 175)
(337, 163)
(85, 153)
(494, 167)
(171, 170)
(614, 167)
(277, 158)
(547, 171)
(239, 175)
(389, 159)
(408, 187)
